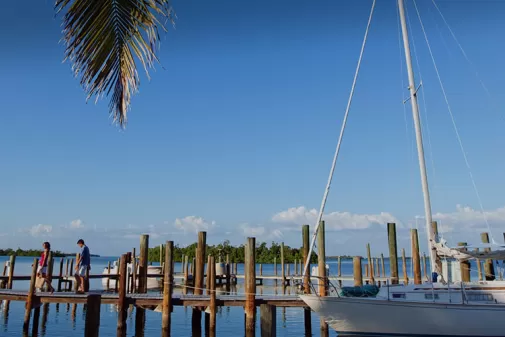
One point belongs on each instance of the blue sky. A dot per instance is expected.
(236, 130)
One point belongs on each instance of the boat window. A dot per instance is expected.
(398, 295)
(430, 296)
(479, 297)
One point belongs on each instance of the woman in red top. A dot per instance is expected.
(42, 269)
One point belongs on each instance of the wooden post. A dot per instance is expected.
(92, 326)
(306, 280)
(425, 267)
(108, 274)
(488, 264)
(31, 296)
(357, 271)
(60, 278)
(250, 284)
(212, 304)
(464, 266)
(370, 264)
(283, 274)
(167, 289)
(11, 271)
(321, 270)
(479, 266)
(122, 305)
(414, 239)
(198, 278)
(143, 263)
(207, 279)
(377, 267)
(228, 272)
(161, 255)
(434, 230)
(76, 284)
(383, 266)
(133, 287)
(35, 322)
(268, 320)
(393, 253)
(186, 274)
(404, 267)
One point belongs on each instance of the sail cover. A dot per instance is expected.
(462, 253)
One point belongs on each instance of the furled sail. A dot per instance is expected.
(462, 253)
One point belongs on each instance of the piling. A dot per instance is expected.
(198, 279)
(488, 264)
(167, 289)
(357, 271)
(370, 264)
(35, 321)
(479, 266)
(283, 275)
(60, 278)
(306, 280)
(134, 272)
(108, 274)
(404, 267)
(207, 279)
(186, 274)
(268, 320)
(92, 326)
(122, 305)
(434, 230)
(212, 303)
(425, 267)
(71, 271)
(250, 284)
(464, 266)
(11, 271)
(415, 256)
(393, 253)
(143, 263)
(321, 272)
(383, 266)
(30, 297)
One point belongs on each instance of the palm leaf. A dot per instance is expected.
(105, 39)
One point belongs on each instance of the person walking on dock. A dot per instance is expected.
(42, 268)
(82, 265)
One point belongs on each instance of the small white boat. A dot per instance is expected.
(152, 282)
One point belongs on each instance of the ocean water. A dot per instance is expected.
(68, 320)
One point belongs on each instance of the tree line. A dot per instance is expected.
(264, 254)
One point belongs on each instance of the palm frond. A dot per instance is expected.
(105, 39)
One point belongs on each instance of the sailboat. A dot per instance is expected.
(435, 308)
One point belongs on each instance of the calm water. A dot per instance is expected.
(65, 320)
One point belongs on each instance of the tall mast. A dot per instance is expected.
(419, 139)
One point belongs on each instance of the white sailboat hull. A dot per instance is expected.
(379, 317)
(152, 282)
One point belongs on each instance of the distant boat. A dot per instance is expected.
(152, 282)
(436, 308)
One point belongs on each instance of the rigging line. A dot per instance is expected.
(454, 124)
(430, 147)
(461, 48)
(337, 150)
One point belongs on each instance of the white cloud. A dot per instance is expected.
(256, 231)
(76, 224)
(40, 230)
(194, 224)
(465, 218)
(333, 221)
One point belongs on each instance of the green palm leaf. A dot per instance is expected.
(105, 39)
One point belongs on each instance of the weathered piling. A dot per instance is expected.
(167, 289)
(186, 274)
(404, 268)
(30, 297)
(212, 302)
(357, 271)
(60, 278)
(92, 325)
(108, 278)
(370, 264)
(198, 279)
(383, 266)
(122, 305)
(306, 280)
(488, 264)
(268, 320)
(425, 267)
(133, 287)
(393, 253)
(207, 279)
(143, 263)
(321, 272)
(250, 284)
(12, 263)
(283, 275)
(415, 256)
(464, 266)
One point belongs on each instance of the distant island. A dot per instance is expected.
(264, 254)
(35, 252)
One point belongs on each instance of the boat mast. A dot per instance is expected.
(419, 139)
